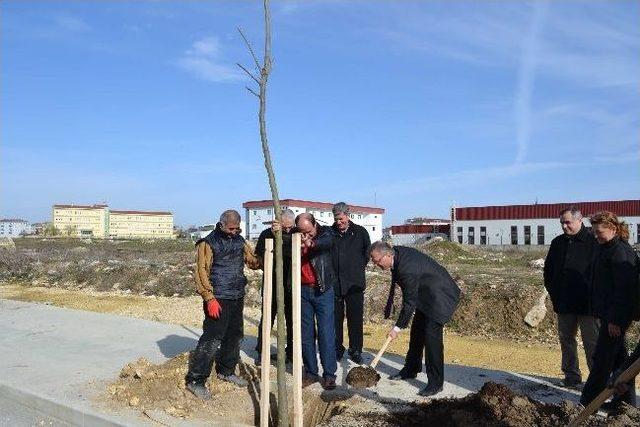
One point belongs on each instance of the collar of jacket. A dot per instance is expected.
(395, 259)
(580, 235)
(611, 243)
(348, 230)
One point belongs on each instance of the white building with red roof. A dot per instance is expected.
(259, 214)
(535, 224)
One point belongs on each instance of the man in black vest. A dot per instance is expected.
(220, 280)
(287, 227)
(428, 290)
(350, 257)
(566, 277)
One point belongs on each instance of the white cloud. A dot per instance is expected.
(204, 61)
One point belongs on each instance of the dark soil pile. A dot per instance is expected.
(495, 405)
(362, 377)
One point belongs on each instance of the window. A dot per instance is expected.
(268, 211)
(471, 236)
(483, 235)
(253, 226)
(459, 234)
(255, 212)
(514, 235)
(373, 228)
(541, 234)
(527, 234)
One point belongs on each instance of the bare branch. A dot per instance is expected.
(253, 55)
(255, 79)
(252, 91)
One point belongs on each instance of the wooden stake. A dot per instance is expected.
(296, 302)
(265, 363)
(592, 407)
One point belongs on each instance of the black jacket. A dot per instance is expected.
(566, 271)
(227, 270)
(615, 283)
(321, 258)
(286, 252)
(350, 257)
(426, 286)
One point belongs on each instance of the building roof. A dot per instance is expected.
(140, 212)
(81, 206)
(309, 205)
(14, 220)
(419, 229)
(546, 210)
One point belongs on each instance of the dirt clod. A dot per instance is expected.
(362, 377)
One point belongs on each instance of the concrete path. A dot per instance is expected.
(55, 360)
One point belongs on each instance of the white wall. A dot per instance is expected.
(413, 238)
(256, 216)
(499, 231)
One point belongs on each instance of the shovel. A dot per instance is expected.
(367, 376)
(592, 407)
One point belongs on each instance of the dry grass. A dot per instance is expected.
(497, 354)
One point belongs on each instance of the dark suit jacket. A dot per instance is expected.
(426, 286)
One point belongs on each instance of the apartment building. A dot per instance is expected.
(98, 221)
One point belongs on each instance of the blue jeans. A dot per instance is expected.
(318, 308)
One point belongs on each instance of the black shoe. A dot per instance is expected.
(402, 375)
(329, 383)
(355, 356)
(339, 354)
(429, 391)
(612, 407)
(199, 390)
(574, 383)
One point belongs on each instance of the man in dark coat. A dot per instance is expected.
(429, 291)
(287, 227)
(350, 257)
(566, 277)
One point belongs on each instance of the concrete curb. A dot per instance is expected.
(55, 409)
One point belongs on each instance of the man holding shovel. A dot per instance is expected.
(429, 291)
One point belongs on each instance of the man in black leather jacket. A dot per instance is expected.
(318, 279)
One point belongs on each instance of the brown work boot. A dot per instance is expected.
(329, 383)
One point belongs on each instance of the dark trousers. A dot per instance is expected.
(609, 354)
(220, 340)
(317, 311)
(353, 302)
(274, 311)
(426, 336)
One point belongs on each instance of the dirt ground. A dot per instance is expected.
(500, 354)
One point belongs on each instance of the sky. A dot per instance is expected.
(409, 106)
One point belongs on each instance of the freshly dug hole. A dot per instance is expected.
(362, 377)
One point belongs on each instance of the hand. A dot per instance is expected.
(275, 226)
(393, 334)
(614, 330)
(213, 308)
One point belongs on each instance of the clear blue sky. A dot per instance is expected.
(416, 105)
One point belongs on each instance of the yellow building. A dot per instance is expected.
(141, 225)
(99, 221)
(81, 221)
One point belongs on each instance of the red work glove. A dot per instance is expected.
(213, 308)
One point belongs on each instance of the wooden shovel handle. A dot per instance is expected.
(592, 407)
(381, 352)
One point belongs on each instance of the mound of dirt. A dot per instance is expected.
(362, 377)
(495, 405)
(148, 387)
